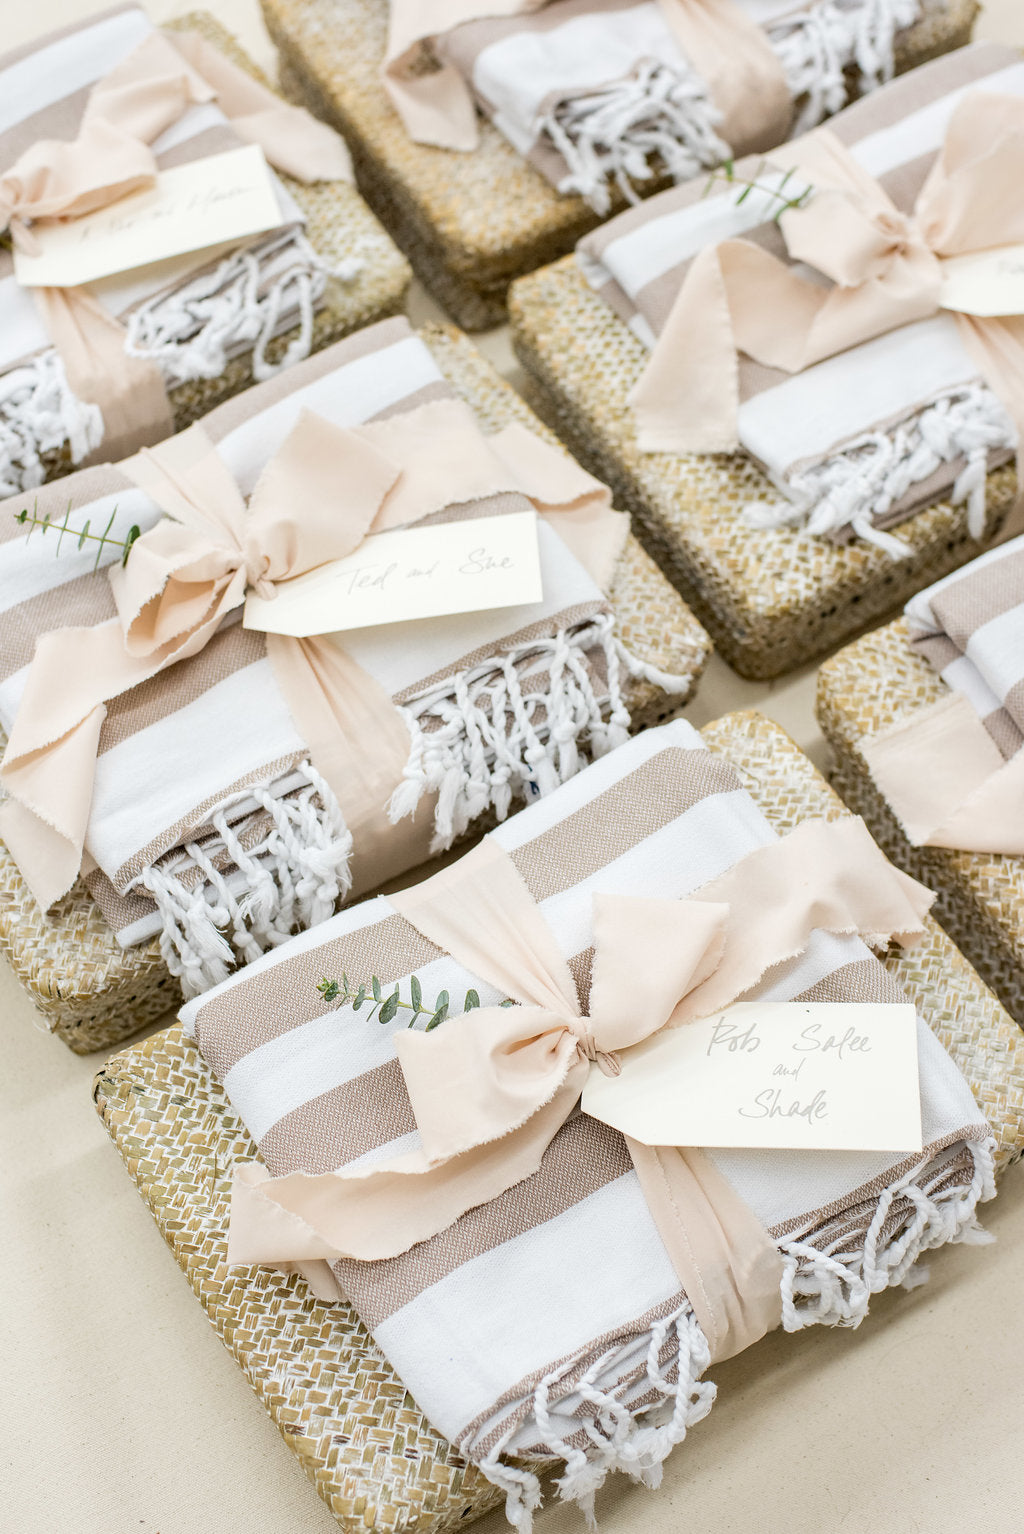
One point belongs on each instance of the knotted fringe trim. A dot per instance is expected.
(585, 1419)
(828, 1283)
(39, 413)
(481, 739)
(868, 477)
(252, 294)
(656, 119)
(292, 879)
(819, 47)
(659, 120)
(190, 334)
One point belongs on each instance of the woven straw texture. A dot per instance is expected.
(95, 994)
(867, 686)
(360, 1438)
(469, 223)
(339, 225)
(771, 600)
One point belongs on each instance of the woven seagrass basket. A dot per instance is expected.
(359, 1436)
(339, 225)
(94, 994)
(872, 684)
(771, 600)
(469, 223)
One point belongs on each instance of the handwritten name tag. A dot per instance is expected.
(780, 1075)
(414, 572)
(213, 201)
(988, 283)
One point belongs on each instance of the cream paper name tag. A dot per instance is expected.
(216, 200)
(988, 284)
(413, 572)
(777, 1075)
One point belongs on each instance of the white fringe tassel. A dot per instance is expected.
(817, 48)
(659, 118)
(479, 741)
(39, 413)
(820, 1287)
(615, 133)
(874, 472)
(291, 880)
(192, 332)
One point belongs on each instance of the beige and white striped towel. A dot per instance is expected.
(209, 822)
(598, 93)
(970, 627)
(188, 321)
(859, 442)
(551, 1323)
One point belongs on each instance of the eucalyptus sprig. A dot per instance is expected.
(82, 536)
(344, 993)
(726, 173)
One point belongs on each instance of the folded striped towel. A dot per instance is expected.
(188, 317)
(599, 93)
(550, 1324)
(970, 627)
(859, 442)
(209, 822)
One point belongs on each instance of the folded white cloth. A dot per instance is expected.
(970, 627)
(188, 318)
(551, 1323)
(598, 93)
(209, 822)
(859, 442)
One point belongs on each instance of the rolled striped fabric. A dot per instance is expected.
(188, 316)
(970, 627)
(209, 821)
(600, 94)
(550, 1323)
(857, 443)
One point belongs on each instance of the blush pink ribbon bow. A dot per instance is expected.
(314, 502)
(491, 1088)
(884, 266)
(110, 158)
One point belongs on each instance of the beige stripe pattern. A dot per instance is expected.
(213, 738)
(970, 628)
(846, 458)
(496, 1323)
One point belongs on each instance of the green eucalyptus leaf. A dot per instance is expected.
(389, 1007)
(472, 1000)
(438, 1017)
(375, 986)
(416, 992)
(359, 998)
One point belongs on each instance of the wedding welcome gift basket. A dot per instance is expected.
(583, 104)
(786, 372)
(549, 1323)
(420, 728)
(925, 723)
(90, 114)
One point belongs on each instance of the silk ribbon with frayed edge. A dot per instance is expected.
(947, 782)
(127, 111)
(491, 1088)
(314, 502)
(729, 51)
(885, 270)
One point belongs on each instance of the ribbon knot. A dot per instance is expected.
(885, 266)
(607, 1061)
(490, 1089)
(314, 502)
